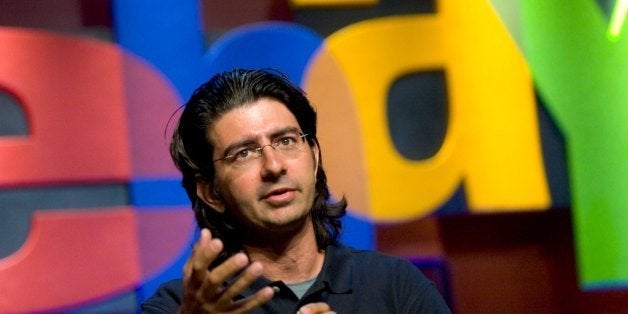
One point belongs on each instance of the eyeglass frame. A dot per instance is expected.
(259, 149)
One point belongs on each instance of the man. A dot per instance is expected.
(251, 163)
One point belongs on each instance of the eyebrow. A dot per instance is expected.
(252, 141)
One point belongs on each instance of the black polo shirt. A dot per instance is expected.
(351, 281)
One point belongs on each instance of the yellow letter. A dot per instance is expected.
(492, 144)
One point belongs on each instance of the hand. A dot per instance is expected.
(316, 308)
(203, 290)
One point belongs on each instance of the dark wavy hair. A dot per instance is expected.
(191, 149)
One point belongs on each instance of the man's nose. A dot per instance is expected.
(272, 163)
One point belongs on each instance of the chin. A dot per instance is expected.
(287, 223)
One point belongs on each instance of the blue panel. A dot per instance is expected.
(358, 233)
(157, 192)
(284, 46)
(167, 34)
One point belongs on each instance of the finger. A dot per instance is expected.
(258, 299)
(247, 277)
(205, 252)
(222, 273)
(312, 308)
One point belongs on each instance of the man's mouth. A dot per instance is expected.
(279, 197)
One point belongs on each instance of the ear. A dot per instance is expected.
(316, 153)
(209, 194)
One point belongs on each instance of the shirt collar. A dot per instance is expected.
(336, 275)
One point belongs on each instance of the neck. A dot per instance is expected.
(289, 258)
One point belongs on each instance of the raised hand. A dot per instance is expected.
(203, 290)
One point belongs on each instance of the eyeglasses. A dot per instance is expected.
(288, 145)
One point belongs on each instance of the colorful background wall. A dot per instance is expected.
(485, 141)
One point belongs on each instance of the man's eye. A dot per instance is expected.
(287, 141)
(243, 153)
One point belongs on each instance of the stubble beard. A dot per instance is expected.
(274, 231)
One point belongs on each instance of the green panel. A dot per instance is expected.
(583, 78)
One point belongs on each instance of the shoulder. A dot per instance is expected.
(166, 299)
(373, 261)
(373, 267)
(395, 279)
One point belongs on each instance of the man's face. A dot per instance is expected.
(274, 191)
